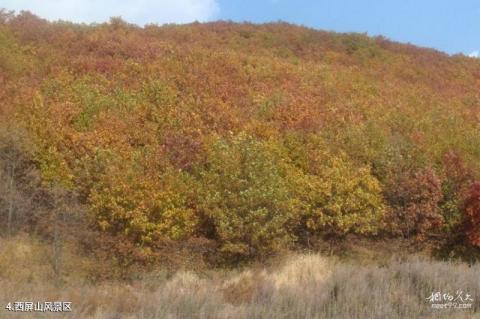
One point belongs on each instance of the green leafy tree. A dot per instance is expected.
(246, 198)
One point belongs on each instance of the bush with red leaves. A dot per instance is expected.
(459, 176)
(415, 204)
(471, 211)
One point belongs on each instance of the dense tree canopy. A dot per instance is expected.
(255, 137)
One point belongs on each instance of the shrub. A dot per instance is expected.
(471, 213)
(339, 198)
(458, 180)
(459, 176)
(415, 199)
(245, 198)
(144, 209)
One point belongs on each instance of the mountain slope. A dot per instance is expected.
(253, 137)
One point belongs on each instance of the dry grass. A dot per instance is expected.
(302, 286)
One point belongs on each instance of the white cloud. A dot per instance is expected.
(474, 54)
(134, 11)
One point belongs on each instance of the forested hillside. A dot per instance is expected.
(232, 142)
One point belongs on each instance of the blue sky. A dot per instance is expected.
(447, 25)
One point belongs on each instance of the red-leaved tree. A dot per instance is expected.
(415, 199)
(471, 210)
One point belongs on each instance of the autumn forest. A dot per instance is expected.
(222, 144)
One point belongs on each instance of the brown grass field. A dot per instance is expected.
(298, 286)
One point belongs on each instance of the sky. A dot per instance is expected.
(447, 25)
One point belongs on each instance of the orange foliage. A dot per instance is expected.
(126, 117)
(472, 215)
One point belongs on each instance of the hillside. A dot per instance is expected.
(233, 142)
